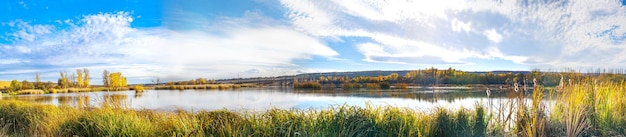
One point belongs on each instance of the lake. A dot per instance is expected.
(259, 99)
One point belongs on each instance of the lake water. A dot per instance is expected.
(259, 99)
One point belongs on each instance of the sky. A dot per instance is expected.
(216, 39)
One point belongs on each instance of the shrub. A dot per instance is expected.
(139, 88)
(385, 85)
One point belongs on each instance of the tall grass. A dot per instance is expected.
(31, 119)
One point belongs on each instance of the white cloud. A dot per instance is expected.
(493, 35)
(107, 41)
(27, 32)
(460, 26)
(559, 33)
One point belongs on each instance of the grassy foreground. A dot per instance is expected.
(32, 119)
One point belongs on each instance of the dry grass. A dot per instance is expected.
(32, 119)
(5, 84)
(30, 91)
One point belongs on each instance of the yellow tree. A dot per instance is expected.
(79, 78)
(115, 79)
(86, 78)
(203, 80)
(63, 81)
(124, 82)
(393, 76)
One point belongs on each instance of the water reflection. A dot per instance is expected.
(265, 98)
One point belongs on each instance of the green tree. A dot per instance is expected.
(15, 86)
(27, 85)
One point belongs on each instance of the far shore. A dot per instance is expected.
(495, 87)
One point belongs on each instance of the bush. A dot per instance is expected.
(401, 86)
(350, 86)
(372, 86)
(307, 85)
(385, 85)
(139, 88)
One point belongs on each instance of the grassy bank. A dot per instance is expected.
(31, 119)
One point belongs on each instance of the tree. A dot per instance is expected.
(106, 81)
(37, 79)
(202, 80)
(158, 80)
(79, 78)
(393, 77)
(72, 80)
(15, 86)
(63, 81)
(124, 82)
(86, 81)
(115, 79)
(38, 83)
(27, 85)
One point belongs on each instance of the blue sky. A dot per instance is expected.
(172, 40)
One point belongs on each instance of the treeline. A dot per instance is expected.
(450, 76)
(80, 81)
(197, 81)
